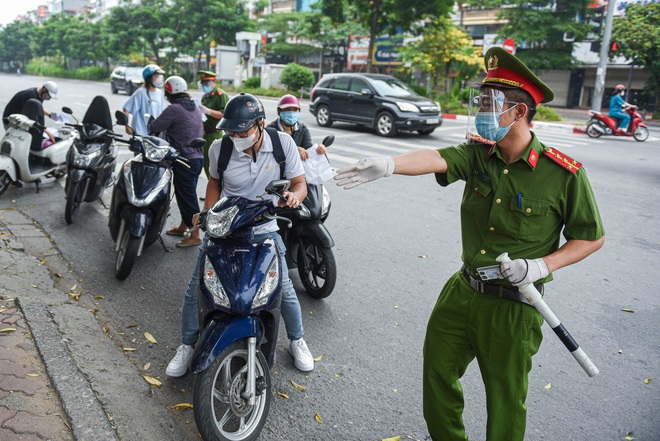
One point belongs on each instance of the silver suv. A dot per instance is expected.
(379, 101)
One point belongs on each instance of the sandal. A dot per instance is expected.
(174, 232)
(188, 242)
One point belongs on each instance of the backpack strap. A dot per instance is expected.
(226, 149)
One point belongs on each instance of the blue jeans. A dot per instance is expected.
(624, 119)
(290, 308)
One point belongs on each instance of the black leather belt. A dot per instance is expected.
(503, 291)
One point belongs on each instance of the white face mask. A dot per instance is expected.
(158, 82)
(242, 144)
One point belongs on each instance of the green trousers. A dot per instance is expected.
(503, 335)
(209, 137)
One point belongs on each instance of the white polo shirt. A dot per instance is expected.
(248, 178)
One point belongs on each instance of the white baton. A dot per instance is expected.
(534, 298)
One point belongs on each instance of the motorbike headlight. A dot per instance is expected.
(213, 284)
(155, 153)
(407, 107)
(84, 160)
(219, 224)
(268, 285)
(326, 202)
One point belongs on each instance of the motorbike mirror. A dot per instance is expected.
(122, 118)
(67, 110)
(328, 140)
(198, 143)
(278, 186)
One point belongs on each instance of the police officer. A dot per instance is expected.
(213, 106)
(519, 196)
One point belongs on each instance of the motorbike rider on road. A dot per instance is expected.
(43, 93)
(618, 105)
(147, 99)
(288, 121)
(251, 167)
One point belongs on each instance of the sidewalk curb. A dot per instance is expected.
(88, 419)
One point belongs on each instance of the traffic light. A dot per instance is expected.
(615, 46)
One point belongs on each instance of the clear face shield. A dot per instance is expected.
(485, 108)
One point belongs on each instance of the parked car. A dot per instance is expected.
(379, 101)
(128, 79)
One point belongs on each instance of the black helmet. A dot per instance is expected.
(241, 112)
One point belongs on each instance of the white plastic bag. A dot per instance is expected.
(317, 168)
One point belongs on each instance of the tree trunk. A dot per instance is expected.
(372, 33)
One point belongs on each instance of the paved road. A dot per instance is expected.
(397, 241)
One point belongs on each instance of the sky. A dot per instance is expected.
(10, 9)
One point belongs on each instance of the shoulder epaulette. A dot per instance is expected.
(567, 162)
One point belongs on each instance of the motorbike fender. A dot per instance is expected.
(218, 335)
(316, 228)
(8, 164)
(137, 220)
(76, 175)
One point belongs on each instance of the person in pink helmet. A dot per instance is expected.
(288, 121)
(618, 105)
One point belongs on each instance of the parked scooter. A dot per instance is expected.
(601, 124)
(141, 197)
(22, 154)
(239, 312)
(92, 159)
(309, 243)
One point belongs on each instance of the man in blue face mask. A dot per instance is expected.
(288, 110)
(520, 197)
(213, 106)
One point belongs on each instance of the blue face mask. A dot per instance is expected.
(290, 117)
(489, 127)
(207, 89)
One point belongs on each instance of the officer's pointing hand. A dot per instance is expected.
(365, 170)
(524, 271)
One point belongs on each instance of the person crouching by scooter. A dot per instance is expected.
(251, 167)
(182, 121)
(288, 121)
(43, 93)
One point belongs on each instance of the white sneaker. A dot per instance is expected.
(302, 358)
(179, 364)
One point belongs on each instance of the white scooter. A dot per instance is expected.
(22, 155)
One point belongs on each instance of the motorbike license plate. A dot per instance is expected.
(433, 121)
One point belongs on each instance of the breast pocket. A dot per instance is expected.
(476, 192)
(529, 220)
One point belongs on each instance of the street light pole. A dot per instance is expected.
(601, 72)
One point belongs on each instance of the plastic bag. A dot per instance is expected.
(317, 168)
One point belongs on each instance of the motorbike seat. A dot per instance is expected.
(35, 111)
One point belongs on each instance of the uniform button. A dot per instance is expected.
(483, 251)
(498, 200)
(506, 171)
(492, 228)
(528, 210)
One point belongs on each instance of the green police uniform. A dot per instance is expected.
(520, 208)
(216, 100)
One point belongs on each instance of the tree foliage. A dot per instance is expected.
(639, 34)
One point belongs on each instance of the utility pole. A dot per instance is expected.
(601, 72)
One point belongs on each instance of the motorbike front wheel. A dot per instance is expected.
(5, 180)
(317, 268)
(592, 132)
(126, 255)
(221, 411)
(73, 200)
(640, 134)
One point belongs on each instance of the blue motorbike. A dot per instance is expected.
(239, 302)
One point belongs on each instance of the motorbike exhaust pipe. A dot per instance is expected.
(599, 129)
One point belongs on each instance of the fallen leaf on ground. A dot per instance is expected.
(73, 287)
(647, 380)
(132, 325)
(99, 297)
(394, 438)
(548, 386)
(627, 310)
(147, 366)
(8, 330)
(182, 406)
(297, 386)
(318, 418)
(319, 358)
(283, 395)
(32, 375)
(150, 337)
(34, 286)
(129, 349)
(152, 380)
(629, 436)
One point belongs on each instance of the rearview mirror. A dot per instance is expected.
(67, 110)
(278, 186)
(328, 140)
(121, 117)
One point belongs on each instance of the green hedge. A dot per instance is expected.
(94, 73)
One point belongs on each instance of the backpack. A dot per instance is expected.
(226, 147)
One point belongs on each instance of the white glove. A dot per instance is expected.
(524, 271)
(53, 116)
(205, 110)
(365, 170)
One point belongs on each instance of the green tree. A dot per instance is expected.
(16, 38)
(281, 27)
(444, 51)
(639, 34)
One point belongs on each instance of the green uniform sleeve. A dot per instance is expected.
(582, 218)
